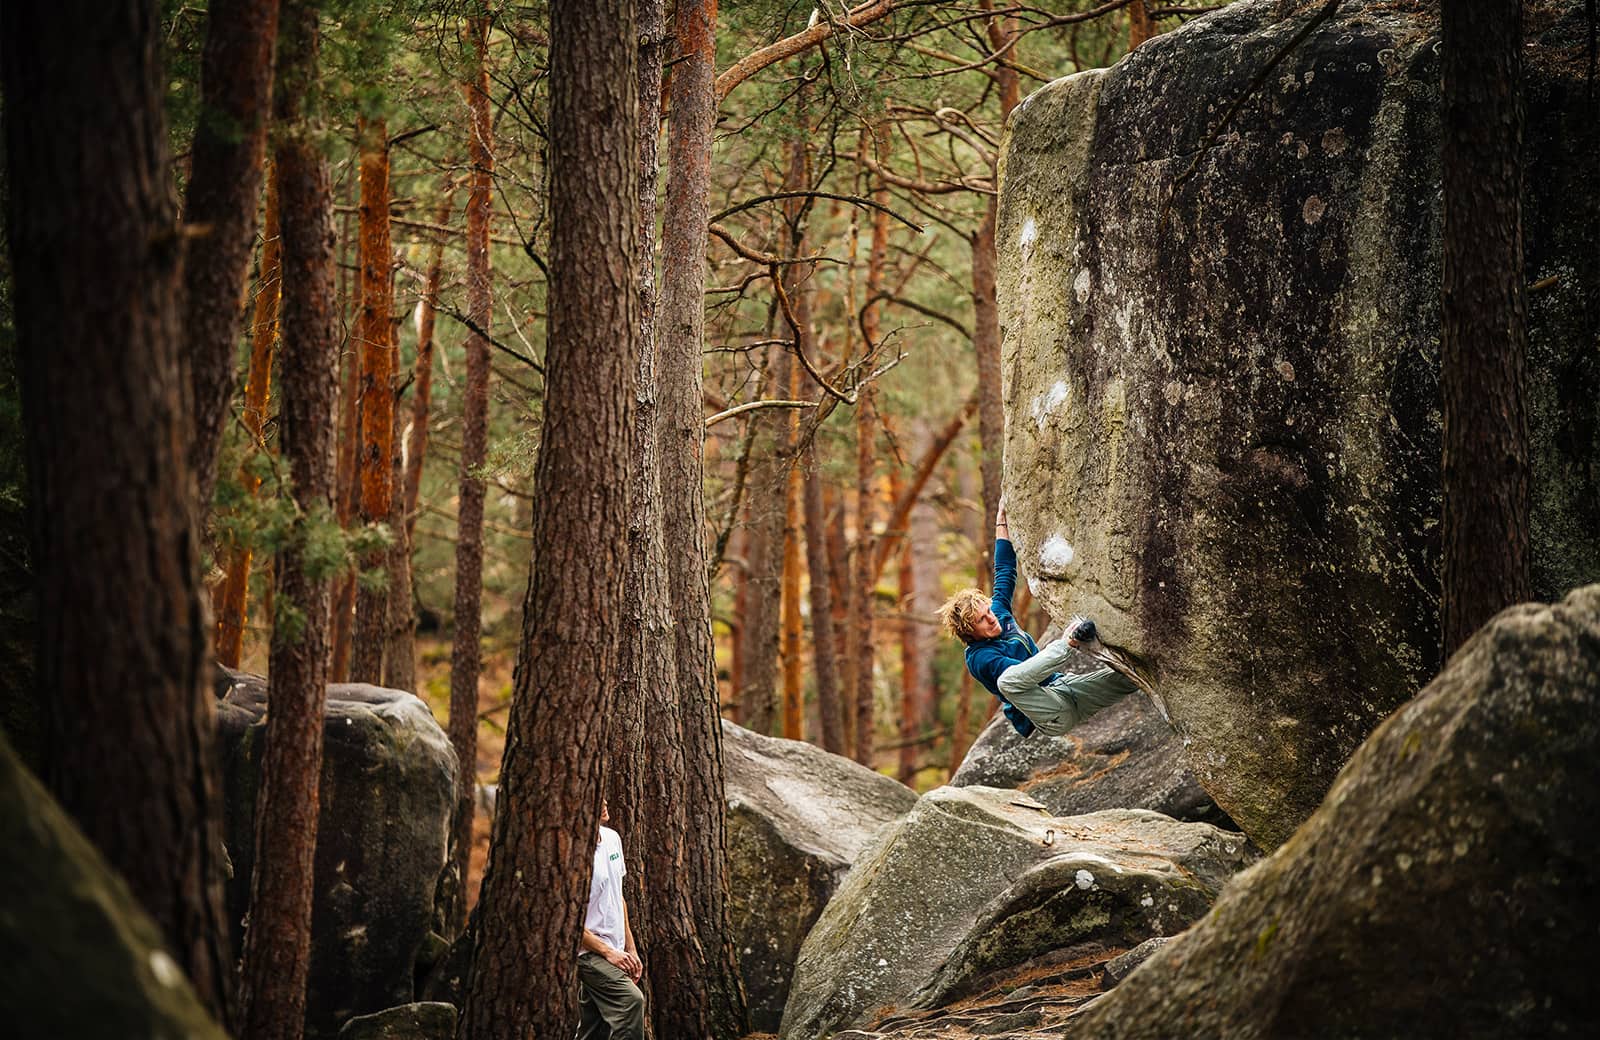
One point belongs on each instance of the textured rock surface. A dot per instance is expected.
(1443, 889)
(81, 957)
(975, 882)
(1223, 427)
(423, 1021)
(387, 790)
(797, 819)
(1125, 757)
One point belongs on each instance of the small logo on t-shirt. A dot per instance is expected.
(616, 855)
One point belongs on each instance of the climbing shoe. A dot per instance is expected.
(1082, 629)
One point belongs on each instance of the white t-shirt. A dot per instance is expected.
(604, 915)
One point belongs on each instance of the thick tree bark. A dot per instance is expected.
(263, 335)
(277, 943)
(710, 1001)
(375, 336)
(1484, 338)
(122, 630)
(523, 980)
(224, 190)
(465, 653)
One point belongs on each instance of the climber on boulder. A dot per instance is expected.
(1005, 659)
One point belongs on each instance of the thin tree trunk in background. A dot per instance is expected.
(122, 629)
(422, 371)
(866, 499)
(374, 463)
(466, 655)
(759, 622)
(910, 493)
(922, 556)
(345, 493)
(536, 887)
(793, 623)
(263, 334)
(823, 646)
(986, 314)
(709, 1002)
(797, 287)
(1140, 25)
(1484, 338)
(841, 574)
(400, 632)
(224, 191)
(277, 942)
(910, 663)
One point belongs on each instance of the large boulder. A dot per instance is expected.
(1445, 888)
(1125, 757)
(1221, 368)
(797, 819)
(82, 959)
(975, 882)
(386, 793)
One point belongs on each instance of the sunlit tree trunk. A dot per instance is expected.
(537, 883)
(711, 1001)
(277, 943)
(263, 334)
(375, 334)
(220, 205)
(122, 631)
(1484, 338)
(465, 653)
(422, 371)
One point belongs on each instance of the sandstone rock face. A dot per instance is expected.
(82, 959)
(797, 819)
(387, 791)
(976, 881)
(1126, 757)
(1442, 887)
(1223, 422)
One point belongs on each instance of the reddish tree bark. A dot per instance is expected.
(375, 341)
(277, 942)
(263, 334)
(538, 878)
(422, 370)
(710, 1000)
(224, 190)
(823, 646)
(400, 649)
(1484, 336)
(122, 630)
(465, 654)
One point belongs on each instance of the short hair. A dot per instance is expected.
(961, 612)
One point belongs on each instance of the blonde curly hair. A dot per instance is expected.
(961, 612)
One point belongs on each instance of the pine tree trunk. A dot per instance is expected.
(765, 509)
(400, 639)
(537, 883)
(711, 1000)
(465, 653)
(375, 336)
(422, 371)
(866, 499)
(263, 334)
(1140, 25)
(910, 663)
(224, 191)
(277, 942)
(793, 624)
(1484, 339)
(841, 574)
(346, 491)
(123, 631)
(823, 647)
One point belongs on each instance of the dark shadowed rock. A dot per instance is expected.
(1122, 965)
(975, 882)
(1126, 757)
(423, 1021)
(797, 819)
(1223, 423)
(386, 794)
(1446, 886)
(81, 958)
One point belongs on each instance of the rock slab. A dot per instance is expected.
(386, 794)
(1446, 886)
(798, 817)
(428, 1020)
(1223, 431)
(1125, 757)
(975, 882)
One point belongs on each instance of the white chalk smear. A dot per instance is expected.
(1056, 555)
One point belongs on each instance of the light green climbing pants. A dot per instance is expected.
(612, 1006)
(1055, 706)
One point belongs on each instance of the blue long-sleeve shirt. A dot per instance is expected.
(988, 658)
